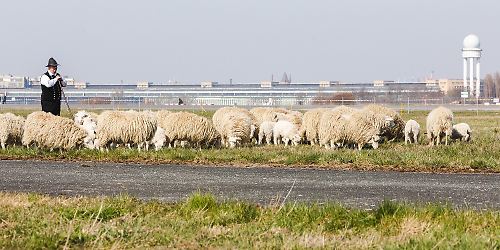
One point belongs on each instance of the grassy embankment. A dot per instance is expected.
(480, 155)
(37, 221)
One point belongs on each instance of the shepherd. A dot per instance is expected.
(52, 84)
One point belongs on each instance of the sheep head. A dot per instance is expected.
(233, 141)
(296, 139)
(374, 141)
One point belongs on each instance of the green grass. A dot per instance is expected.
(37, 221)
(482, 154)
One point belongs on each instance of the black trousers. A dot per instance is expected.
(53, 107)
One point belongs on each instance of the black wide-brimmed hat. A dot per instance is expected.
(52, 62)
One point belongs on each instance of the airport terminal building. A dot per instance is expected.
(223, 94)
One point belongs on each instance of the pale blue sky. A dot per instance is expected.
(190, 41)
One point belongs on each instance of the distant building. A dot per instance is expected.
(381, 83)
(268, 84)
(80, 85)
(143, 85)
(447, 85)
(326, 84)
(35, 81)
(431, 82)
(207, 84)
(13, 82)
(69, 80)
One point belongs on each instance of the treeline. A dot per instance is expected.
(492, 85)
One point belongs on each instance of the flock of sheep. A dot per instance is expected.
(340, 127)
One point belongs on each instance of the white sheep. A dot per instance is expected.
(266, 131)
(11, 129)
(292, 116)
(358, 128)
(310, 124)
(234, 125)
(439, 124)
(365, 127)
(159, 139)
(124, 127)
(194, 129)
(287, 132)
(461, 131)
(81, 114)
(53, 132)
(412, 131)
(395, 132)
(90, 126)
(264, 114)
(328, 132)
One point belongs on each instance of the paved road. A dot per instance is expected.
(262, 185)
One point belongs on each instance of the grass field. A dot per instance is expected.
(482, 154)
(36, 221)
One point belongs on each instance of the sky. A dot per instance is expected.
(189, 41)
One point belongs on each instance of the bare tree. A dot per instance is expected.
(489, 86)
(497, 85)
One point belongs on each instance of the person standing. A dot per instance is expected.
(52, 84)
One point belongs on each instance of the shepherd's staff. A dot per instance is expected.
(64, 96)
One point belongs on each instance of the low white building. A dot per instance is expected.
(207, 84)
(13, 82)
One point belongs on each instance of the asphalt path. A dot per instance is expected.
(262, 185)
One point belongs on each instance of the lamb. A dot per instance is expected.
(124, 127)
(234, 125)
(90, 126)
(196, 130)
(461, 131)
(396, 132)
(287, 132)
(412, 130)
(439, 123)
(266, 131)
(11, 129)
(53, 132)
(80, 115)
(310, 124)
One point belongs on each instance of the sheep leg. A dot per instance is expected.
(332, 144)
(415, 138)
(407, 138)
(3, 145)
(276, 140)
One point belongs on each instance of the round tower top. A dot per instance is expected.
(471, 42)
